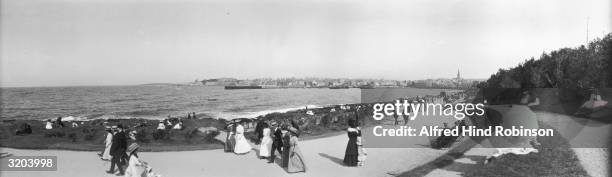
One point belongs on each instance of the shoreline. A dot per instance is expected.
(90, 135)
(197, 134)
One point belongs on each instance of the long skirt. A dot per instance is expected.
(285, 156)
(242, 146)
(351, 155)
(229, 143)
(296, 161)
(106, 154)
(265, 147)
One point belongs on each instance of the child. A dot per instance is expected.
(363, 154)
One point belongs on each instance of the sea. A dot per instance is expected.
(161, 101)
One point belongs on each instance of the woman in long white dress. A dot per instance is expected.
(135, 167)
(108, 142)
(266, 144)
(242, 146)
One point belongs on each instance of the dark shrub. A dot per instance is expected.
(159, 134)
(326, 120)
(210, 136)
(90, 136)
(86, 130)
(251, 136)
(73, 137)
(55, 133)
(141, 136)
(191, 133)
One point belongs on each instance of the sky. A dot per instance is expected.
(124, 42)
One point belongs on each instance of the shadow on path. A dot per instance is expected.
(333, 159)
(442, 161)
(5, 155)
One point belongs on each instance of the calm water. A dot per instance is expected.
(156, 102)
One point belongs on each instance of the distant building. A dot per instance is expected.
(458, 75)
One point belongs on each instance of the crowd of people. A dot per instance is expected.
(281, 137)
(283, 140)
(124, 159)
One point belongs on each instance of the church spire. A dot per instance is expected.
(458, 75)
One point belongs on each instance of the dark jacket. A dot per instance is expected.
(278, 137)
(119, 144)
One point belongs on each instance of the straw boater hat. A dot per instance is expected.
(132, 147)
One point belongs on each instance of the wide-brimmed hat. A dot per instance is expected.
(132, 147)
(114, 127)
(107, 127)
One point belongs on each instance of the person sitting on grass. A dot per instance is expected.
(59, 122)
(24, 130)
(178, 126)
(161, 125)
(49, 125)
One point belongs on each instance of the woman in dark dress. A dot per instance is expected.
(286, 145)
(352, 152)
(230, 141)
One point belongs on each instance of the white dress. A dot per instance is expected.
(135, 167)
(108, 142)
(177, 126)
(242, 146)
(266, 143)
(49, 126)
(161, 126)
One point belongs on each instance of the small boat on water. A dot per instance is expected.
(234, 87)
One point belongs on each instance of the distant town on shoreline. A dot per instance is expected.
(335, 83)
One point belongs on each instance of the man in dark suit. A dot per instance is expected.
(277, 142)
(117, 151)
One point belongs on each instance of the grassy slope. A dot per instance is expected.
(90, 136)
(555, 158)
(177, 140)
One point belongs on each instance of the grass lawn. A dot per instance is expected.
(555, 158)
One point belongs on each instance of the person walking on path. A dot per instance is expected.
(286, 138)
(108, 142)
(242, 145)
(266, 144)
(229, 140)
(296, 159)
(277, 142)
(135, 167)
(118, 150)
(351, 154)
